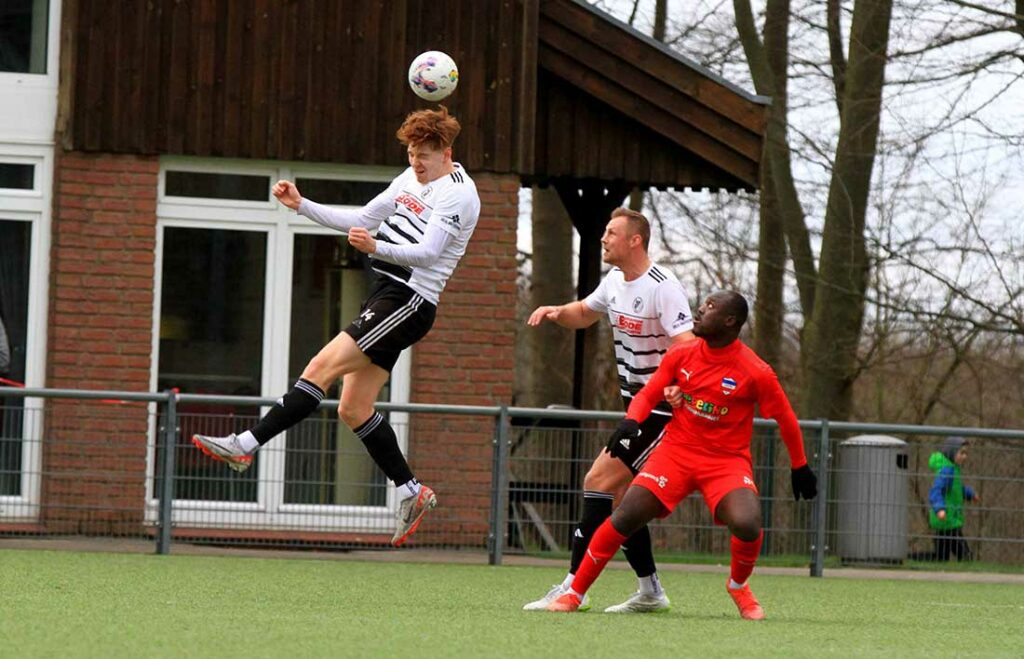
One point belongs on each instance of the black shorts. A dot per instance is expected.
(641, 448)
(393, 318)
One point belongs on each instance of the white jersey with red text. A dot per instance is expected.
(645, 314)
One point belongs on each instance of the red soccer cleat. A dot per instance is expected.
(750, 608)
(568, 603)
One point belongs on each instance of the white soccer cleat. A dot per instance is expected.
(642, 603)
(556, 591)
(226, 449)
(411, 512)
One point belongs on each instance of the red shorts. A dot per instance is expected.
(671, 475)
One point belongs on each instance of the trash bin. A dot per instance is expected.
(872, 506)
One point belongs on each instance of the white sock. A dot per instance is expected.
(410, 489)
(650, 585)
(734, 586)
(567, 582)
(248, 442)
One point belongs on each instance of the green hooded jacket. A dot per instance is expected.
(952, 496)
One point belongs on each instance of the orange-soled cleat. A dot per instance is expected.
(226, 449)
(567, 603)
(411, 512)
(750, 608)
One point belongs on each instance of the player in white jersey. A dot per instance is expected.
(424, 221)
(648, 311)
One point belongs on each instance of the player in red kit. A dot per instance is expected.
(706, 447)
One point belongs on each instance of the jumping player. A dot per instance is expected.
(424, 221)
(648, 310)
(706, 447)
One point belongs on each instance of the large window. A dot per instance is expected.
(25, 176)
(23, 35)
(15, 251)
(249, 292)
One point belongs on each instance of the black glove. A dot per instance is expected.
(805, 483)
(623, 436)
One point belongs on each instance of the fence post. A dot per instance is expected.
(819, 516)
(168, 442)
(499, 487)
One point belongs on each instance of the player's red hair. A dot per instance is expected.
(435, 128)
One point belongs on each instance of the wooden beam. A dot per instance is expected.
(594, 28)
(657, 119)
(592, 57)
(526, 122)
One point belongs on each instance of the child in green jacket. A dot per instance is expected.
(946, 498)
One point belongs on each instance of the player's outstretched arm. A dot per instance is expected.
(573, 315)
(774, 403)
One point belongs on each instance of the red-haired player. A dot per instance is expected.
(706, 447)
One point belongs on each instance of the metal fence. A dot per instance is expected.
(119, 464)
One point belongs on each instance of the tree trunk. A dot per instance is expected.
(771, 267)
(549, 366)
(832, 335)
(768, 68)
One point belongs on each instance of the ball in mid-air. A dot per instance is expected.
(433, 75)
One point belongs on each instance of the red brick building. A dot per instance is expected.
(142, 250)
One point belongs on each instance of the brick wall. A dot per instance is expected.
(100, 337)
(468, 359)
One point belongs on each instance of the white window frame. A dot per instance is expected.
(35, 207)
(281, 225)
(31, 114)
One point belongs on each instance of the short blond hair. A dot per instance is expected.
(637, 223)
(435, 128)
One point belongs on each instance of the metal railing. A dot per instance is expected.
(120, 464)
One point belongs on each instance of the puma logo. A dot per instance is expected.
(686, 373)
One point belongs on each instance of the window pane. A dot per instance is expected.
(23, 35)
(217, 186)
(15, 243)
(211, 341)
(339, 193)
(325, 462)
(17, 177)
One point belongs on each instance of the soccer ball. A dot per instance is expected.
(433, 75)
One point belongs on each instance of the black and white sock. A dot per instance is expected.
(597, 507)
(294, 406)
(640, 555)
(382, 444)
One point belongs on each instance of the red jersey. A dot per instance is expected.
(720, 388)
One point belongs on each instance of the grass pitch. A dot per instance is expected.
(64, 604)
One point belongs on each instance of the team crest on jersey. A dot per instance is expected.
(638, 304)
(728, 386)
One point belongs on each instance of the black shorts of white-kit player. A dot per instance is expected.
(639, 448)
(393, 318)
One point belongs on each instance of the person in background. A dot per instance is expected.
(946, 500)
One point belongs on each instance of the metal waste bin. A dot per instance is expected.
(872, 505)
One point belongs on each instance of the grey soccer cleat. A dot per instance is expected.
(553, 594)
(411, 512)
(642, 603)
(226, 449)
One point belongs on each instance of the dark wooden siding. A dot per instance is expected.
(319, 80)
(634, 110)
(548, 89)
(580, 137)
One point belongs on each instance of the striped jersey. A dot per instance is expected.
(401, 215)
(645, 314)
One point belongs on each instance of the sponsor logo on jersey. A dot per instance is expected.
(426, 192)
(662, 481)
(629, 325)
(455, 220)
(681, 319)
(638, 304)
(410, 202)
(728, 386)
(747, 480)
(686, 373)
(625, 443)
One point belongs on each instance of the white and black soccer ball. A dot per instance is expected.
(433, 75)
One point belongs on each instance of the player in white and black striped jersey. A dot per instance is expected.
(423, 221)
(648, 310)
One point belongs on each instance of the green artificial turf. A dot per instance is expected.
(65, 604)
